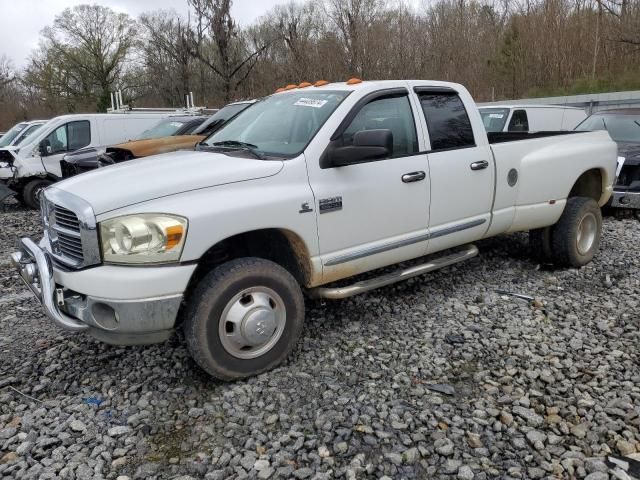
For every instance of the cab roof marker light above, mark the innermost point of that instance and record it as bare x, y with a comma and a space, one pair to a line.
290, 87
320, 83
280, 90
304, 85
353, 81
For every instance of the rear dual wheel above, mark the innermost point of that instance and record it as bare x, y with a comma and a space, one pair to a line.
575, 239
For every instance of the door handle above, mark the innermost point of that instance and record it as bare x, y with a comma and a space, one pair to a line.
413, 177
481, 165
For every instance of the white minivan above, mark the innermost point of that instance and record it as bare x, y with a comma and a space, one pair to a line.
530, 118
35, 163
19, 132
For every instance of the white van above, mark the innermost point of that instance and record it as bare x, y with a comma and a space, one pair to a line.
530, 118
35, 163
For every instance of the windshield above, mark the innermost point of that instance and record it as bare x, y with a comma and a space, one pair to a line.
622, 128
27, 132
8, 137
494, 118
281, 125
166, 128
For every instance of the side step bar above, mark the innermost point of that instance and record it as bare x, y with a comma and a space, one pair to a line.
468, 251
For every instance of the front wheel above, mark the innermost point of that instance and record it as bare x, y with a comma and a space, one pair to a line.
33, 190
244, 318
575, 239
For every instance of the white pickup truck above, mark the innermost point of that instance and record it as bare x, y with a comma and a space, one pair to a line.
310, 186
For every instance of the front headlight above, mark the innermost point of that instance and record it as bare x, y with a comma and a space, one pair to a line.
144, 238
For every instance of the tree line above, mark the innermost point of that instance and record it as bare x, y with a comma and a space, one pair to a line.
497, 48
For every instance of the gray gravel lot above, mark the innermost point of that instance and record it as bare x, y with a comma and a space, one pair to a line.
437, 377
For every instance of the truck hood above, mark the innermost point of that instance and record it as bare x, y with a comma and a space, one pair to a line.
145, 179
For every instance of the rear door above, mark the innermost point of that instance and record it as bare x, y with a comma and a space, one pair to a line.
461, 167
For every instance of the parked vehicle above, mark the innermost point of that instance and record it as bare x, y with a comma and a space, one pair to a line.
624, 127
19, 132
309, 186
530, 118
91, 158
36, 163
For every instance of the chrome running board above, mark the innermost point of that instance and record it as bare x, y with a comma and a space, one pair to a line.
468, 251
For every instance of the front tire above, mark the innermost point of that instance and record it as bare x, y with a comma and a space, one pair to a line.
576, 237
32, 191
244, 318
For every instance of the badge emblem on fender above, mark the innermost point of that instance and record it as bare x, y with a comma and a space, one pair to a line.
305, 208
332, 204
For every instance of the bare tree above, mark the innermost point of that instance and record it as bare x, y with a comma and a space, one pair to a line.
353, 20
167, 54
220, 45
87, 48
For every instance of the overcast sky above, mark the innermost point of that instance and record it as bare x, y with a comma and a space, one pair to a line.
23, 19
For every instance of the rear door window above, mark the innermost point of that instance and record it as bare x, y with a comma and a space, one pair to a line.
447, 120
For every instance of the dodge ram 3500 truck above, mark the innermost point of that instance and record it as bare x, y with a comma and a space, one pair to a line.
310, 186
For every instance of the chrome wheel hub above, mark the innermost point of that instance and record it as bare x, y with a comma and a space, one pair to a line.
587, 233
252, 322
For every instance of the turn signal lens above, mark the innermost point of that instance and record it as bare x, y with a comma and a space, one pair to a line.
353, 81
174, 236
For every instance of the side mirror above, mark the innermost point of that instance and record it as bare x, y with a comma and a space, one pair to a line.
45, 148
368, 145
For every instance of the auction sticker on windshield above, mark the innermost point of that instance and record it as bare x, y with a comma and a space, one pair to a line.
311, 102
496, 115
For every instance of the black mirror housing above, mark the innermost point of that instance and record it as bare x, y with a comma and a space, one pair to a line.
368, 145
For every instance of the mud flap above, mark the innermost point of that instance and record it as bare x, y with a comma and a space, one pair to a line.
5, 192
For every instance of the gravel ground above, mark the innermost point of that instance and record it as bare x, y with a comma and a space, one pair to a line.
437, 377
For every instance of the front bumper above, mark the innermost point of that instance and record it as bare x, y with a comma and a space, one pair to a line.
115, 321
625, 199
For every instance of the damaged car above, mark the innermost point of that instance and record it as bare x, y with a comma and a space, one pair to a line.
623, 126
167, 136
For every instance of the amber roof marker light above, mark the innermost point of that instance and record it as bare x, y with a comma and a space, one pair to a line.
304, 85
320, 83
280, 90
290, 87
353, 81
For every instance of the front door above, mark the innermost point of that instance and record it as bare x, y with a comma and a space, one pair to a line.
65, 139
374, 213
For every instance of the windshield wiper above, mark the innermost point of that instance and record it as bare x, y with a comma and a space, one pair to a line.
237, 145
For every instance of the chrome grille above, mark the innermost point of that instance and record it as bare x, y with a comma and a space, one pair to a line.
70, 230
66, 218
69, 244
